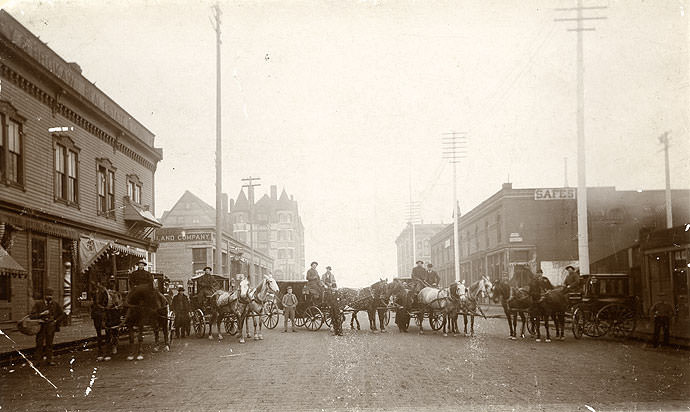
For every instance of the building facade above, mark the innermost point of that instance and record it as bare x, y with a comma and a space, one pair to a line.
77, 179
187, 244
277, 230
408, 253
536, 228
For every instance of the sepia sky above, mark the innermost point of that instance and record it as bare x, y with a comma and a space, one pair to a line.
343, 103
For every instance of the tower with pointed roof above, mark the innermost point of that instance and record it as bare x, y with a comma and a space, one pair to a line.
278, 230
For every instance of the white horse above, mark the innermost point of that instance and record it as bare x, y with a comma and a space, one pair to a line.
432, 300
255, 308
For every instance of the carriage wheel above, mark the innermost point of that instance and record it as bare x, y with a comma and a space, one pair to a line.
271, 315
618, 319
299, 320
198, 323
418, 319
578, 323
592, 326
436, 320
313, 318
230, 323
387, 317
327, 319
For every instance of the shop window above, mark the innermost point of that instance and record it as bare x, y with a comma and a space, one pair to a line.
106, 188
5, 285
11, 145
199, 259
66, 162
134, 186
38, 265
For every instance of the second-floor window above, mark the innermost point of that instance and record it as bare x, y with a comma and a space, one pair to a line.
66, 171
134, 186
106, 188
11, 146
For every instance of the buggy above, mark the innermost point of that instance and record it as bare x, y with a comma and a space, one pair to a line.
200, 314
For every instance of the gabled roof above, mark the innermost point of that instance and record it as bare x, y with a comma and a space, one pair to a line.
265, 201
284, 201
188, 197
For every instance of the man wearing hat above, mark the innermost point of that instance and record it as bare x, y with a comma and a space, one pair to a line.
289, 302
180, 306
141, 285
314, 284
50, 312
328, 279
571, 281
431, 275
662, 312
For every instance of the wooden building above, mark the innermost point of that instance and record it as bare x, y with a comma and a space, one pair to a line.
76, 179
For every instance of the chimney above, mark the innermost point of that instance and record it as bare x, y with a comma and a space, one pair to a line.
231, 204
507, 186
274, 192
224, 202
292, 197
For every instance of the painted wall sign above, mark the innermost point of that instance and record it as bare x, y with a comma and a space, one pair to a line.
558, 193
182, 236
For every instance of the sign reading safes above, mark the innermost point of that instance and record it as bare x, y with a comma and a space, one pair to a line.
555, 193
181, 236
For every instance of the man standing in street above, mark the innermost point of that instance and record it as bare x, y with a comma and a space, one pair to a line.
662, 312
328, 279
50, 312
180, 305
314, 284
431, 275
289, 304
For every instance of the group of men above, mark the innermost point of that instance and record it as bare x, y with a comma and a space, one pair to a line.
316, 285
428, 276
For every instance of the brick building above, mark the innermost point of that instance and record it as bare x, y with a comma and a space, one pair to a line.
77, 179
277, 230
422, 236
537, 228
187, 243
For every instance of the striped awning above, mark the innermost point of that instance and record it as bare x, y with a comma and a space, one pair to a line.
92, 248
9, 266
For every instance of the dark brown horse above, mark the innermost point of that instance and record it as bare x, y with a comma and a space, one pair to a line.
372, 299
553, 303
515, 302
105, 314
153, 311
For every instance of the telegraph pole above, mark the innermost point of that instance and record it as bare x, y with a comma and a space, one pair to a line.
250, 192
219, 153
455, 148
412, 219
582, 235
663, 139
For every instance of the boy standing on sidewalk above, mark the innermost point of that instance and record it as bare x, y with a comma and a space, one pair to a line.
289, 305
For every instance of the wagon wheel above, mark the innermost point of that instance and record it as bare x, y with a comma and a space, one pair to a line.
436, 320
313, 318
578, 323
619, 319
592, 326
299, 319
270, 317
418, 319
230, 323
198, 323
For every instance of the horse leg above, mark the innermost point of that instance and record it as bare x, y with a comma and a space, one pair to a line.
240, 326
140, 342
546, 326
382, 319
506, 310
472, 325
371, 315
454, 323
130, 330
214, 315
421, 322
99, 339
218, 322
522, 329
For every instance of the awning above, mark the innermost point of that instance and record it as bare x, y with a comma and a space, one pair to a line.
26, 222
9, 266
92, 248
135, 214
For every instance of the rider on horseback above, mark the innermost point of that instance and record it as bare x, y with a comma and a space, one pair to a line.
142, 292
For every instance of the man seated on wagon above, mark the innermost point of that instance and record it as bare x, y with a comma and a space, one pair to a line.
571, 281
328, 278
314, 284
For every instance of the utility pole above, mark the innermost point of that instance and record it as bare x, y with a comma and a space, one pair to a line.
250, 194
455, 148
663, 139
412, 219
219, 153
582, 235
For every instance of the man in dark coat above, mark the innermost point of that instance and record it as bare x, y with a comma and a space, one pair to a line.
662, 312
431, 275
180, 305
51, 313
572, 280
314, 284
418, 277
140, 285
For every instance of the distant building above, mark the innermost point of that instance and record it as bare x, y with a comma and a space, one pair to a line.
407, 256
277, 228
187, 243
517, 229
77, 178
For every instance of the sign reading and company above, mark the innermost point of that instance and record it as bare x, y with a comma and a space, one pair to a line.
559, 193
182, 236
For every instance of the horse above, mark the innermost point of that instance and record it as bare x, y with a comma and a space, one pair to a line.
432, 299
465, 305
515, 301
372, 299
106, 316
152, 311
402, 298
553, 303
255, 306
335, 309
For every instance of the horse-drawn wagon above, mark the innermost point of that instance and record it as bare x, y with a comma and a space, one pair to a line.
310, 311
604, 306
200, 288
